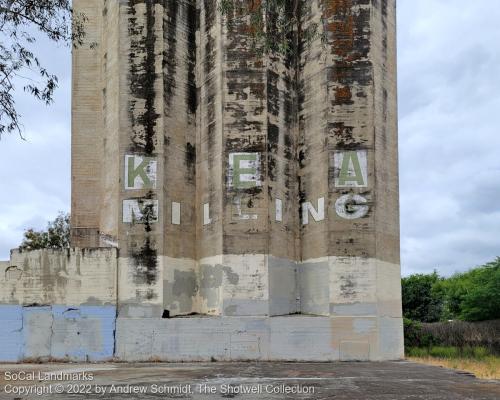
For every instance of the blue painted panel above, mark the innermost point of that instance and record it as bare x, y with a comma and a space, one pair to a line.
83, 333
11, 325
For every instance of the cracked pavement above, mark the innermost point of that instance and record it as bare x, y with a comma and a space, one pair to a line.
266, 380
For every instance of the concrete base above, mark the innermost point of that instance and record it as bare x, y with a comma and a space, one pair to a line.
287, 338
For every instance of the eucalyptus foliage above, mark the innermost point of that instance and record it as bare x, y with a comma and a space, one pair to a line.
56, 236
21, 22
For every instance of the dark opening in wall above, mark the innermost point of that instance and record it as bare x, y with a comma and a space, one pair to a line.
166, 314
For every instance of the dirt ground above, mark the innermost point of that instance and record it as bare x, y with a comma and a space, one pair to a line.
385, 380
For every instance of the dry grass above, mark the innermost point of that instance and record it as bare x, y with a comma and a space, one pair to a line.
486, 368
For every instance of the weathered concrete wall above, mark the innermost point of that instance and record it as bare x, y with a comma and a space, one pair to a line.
87, 130
179, 128
142, 201
246, 169
366, 328
58, 305
236, 184
298, 338
348, 160
110, 78
73, 276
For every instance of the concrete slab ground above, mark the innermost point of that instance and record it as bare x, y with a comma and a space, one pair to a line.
347, 380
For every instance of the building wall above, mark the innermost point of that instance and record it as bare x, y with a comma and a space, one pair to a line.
241, 185
87, 130
247, 121
58, 305
350, 250
63, 305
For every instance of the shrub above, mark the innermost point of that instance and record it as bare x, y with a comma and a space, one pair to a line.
473, 295
414, 335
420, 301
469, 296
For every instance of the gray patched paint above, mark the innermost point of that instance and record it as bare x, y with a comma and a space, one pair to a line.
181, 293
390, 333
94, 301
133, 310
283, 288
244, 307
210, 282
232, 277
314, 284
353, 309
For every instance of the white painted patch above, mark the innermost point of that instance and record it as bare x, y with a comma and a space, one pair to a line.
351, 206
239, 214
136, 211
206, 214
350, 169
140, 172
244, 170
176, 213
279, 210
318, 215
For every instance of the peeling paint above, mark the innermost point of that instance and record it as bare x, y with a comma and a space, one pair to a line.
142, 75
254, 184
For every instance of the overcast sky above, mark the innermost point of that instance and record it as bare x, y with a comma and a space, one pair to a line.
449, 112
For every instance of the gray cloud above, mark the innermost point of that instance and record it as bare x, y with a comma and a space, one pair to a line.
35, 174
448, 127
